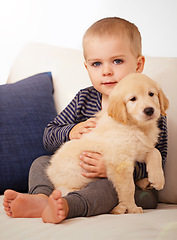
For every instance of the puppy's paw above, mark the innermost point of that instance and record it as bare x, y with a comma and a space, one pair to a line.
157, 180
119, 209
122, 208
143, 183
135, 209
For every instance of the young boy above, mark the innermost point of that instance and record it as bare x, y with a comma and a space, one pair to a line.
112, 49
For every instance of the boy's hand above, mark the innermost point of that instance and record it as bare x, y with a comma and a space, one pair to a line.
81, 128
94, 165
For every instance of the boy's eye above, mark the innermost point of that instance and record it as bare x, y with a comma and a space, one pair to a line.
151, 94
96, 64
118, 61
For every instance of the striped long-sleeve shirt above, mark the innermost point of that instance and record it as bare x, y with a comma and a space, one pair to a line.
86, 104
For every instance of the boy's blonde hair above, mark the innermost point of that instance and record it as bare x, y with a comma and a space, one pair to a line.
114, 26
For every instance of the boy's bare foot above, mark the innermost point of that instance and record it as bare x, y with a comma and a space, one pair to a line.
57, 208
19, 205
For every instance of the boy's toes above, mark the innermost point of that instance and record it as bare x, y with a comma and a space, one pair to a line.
56, 194
10, 195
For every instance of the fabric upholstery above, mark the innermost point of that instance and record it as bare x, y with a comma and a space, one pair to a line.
26, 107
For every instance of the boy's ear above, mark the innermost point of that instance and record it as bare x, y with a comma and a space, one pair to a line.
85, 64
140, 64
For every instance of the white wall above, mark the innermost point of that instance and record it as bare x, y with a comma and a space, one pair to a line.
63, 23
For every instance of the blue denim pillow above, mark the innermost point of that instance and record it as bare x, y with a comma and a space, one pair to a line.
26, 107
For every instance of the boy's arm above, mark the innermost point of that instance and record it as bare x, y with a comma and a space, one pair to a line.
57, 131
55, 134
74, 120
163, 139
140, 168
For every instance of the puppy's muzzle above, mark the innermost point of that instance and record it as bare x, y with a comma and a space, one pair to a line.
149, 111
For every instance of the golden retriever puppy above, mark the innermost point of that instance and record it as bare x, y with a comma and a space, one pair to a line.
125, 133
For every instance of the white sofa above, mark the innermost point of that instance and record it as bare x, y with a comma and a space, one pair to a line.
69, 76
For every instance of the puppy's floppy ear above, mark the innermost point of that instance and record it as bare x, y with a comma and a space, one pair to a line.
117, 109
164, 103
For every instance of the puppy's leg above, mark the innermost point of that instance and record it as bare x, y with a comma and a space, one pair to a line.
122, 178
154, 169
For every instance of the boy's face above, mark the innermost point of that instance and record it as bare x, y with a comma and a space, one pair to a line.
108, 60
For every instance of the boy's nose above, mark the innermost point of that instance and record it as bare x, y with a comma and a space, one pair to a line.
107, 71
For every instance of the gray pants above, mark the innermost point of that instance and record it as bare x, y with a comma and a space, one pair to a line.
98, 197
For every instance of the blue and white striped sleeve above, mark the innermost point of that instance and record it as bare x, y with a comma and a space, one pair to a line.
86, 103
57, 131
140, 168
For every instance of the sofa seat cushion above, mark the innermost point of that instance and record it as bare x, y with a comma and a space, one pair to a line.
26, 107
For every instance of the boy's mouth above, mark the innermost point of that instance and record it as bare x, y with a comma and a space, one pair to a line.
109, 83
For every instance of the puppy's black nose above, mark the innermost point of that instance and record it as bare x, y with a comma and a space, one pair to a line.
149, 111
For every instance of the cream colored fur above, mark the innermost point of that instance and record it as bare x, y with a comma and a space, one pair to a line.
124, 134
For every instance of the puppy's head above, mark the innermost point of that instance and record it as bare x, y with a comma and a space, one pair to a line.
137, 98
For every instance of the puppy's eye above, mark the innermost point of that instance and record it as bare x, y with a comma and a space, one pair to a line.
133, 99
151, 94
